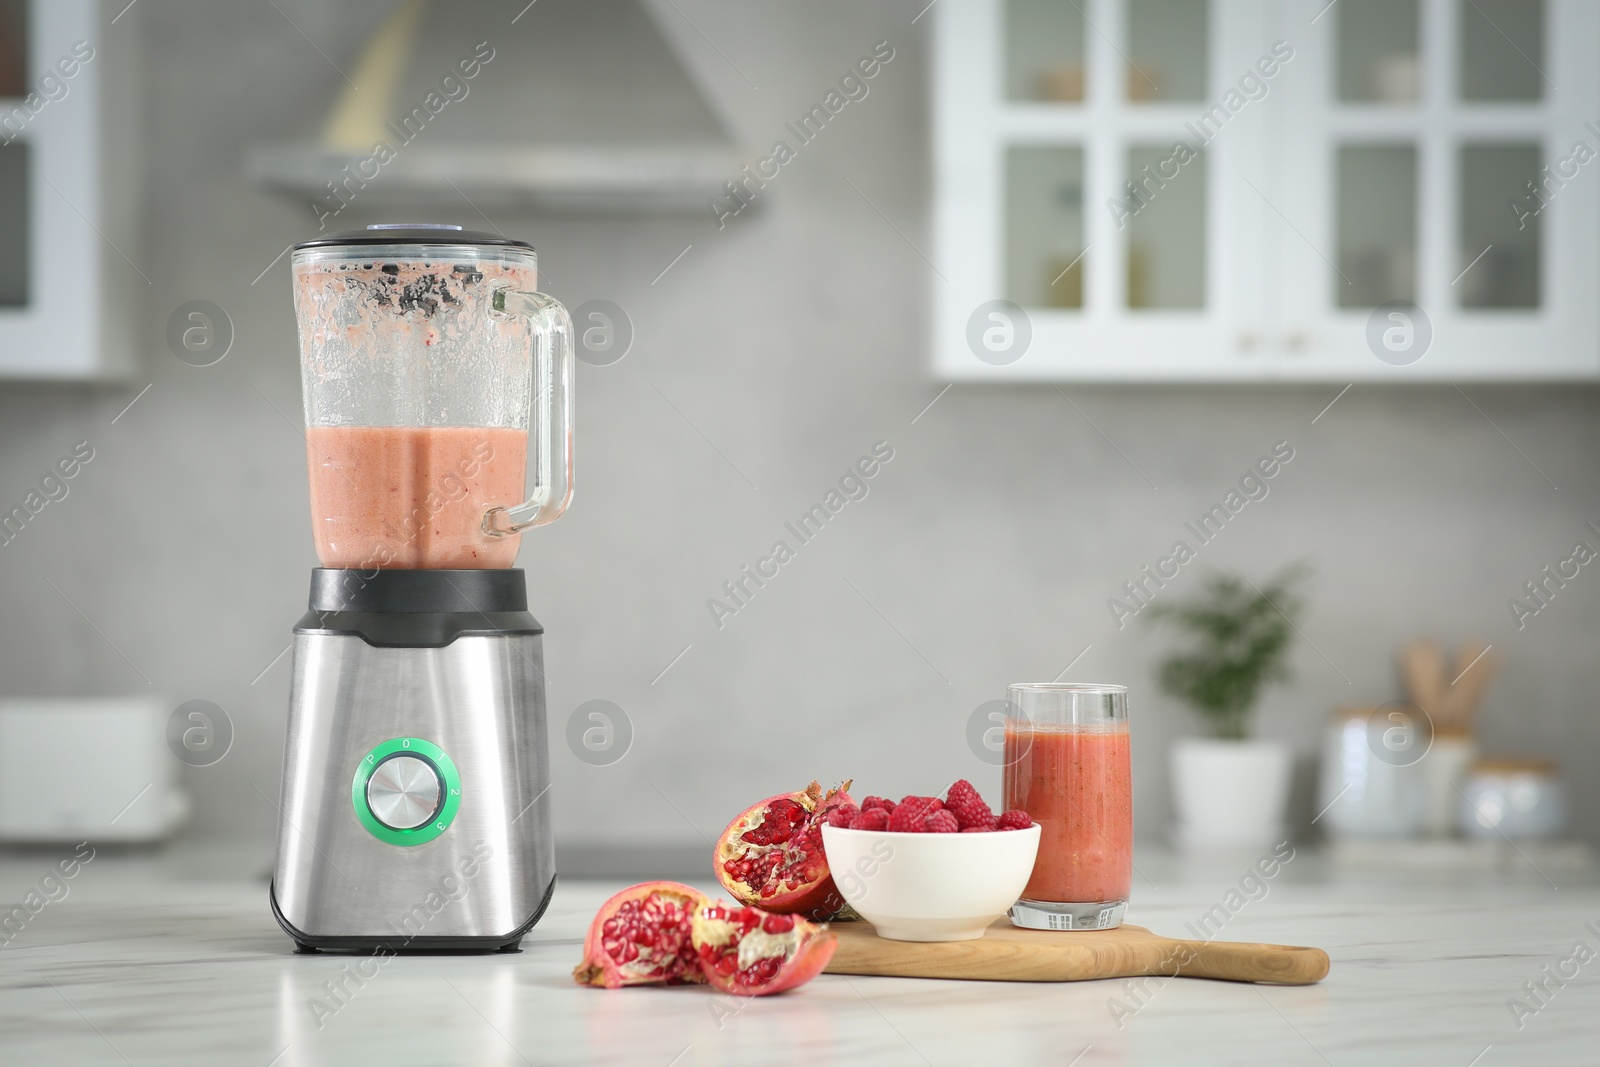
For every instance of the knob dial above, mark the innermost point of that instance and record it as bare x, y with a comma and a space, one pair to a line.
403, 792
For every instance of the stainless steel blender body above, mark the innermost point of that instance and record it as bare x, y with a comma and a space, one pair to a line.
415, 811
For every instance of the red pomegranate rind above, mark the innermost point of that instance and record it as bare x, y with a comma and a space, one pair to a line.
771, 856
753, 953
1015, 820
641, 936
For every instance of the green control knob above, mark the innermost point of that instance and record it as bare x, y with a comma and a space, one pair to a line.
406, 791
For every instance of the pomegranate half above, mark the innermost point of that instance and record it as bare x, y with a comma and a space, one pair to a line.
641, 936
753, 953
771, 855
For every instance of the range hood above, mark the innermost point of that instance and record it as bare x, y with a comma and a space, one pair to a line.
559, 104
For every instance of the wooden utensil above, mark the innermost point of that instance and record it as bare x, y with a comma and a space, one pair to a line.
1009, 954
1422, 671
1464, 688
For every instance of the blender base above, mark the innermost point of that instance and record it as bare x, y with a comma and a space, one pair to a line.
415, 762
307, 944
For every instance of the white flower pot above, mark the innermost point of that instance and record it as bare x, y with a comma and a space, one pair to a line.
1230, 794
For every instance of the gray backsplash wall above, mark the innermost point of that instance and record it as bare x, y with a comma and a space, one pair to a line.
770, 358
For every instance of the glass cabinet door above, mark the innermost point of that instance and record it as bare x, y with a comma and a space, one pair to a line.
1241, 189
1095, 160
1427, 151
69, 192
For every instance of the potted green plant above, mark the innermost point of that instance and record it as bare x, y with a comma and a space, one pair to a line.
1230, 790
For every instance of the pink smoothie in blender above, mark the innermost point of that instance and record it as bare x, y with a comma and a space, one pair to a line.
413, 497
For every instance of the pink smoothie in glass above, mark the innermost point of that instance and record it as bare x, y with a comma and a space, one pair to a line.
413, 497
1077, 783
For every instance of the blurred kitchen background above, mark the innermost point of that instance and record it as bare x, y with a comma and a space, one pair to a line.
1172, 336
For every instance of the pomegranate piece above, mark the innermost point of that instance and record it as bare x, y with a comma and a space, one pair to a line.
1015, 820
771, 855
754, 953
641, 936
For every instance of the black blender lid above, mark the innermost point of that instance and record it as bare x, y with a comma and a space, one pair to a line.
411, 233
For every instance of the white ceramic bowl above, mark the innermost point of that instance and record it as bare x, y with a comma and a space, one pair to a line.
930, 887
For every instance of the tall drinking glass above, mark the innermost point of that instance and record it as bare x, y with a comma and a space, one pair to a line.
1068, 765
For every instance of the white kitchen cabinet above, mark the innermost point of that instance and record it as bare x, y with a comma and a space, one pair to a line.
69, 183
1344, 156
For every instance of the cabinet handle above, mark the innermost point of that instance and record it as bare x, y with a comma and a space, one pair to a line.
1248, 340
1297, 341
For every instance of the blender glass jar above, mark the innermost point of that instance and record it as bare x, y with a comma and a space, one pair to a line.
431, 367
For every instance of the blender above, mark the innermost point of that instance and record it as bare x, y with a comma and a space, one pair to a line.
413, 812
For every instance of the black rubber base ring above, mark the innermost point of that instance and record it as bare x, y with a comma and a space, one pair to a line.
493, 943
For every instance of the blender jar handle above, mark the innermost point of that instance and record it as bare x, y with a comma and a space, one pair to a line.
551, 411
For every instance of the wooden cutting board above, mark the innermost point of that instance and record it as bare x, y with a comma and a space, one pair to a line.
1009, 954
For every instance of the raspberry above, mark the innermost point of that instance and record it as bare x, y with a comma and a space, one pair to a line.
905, 820
940, 822
980, 829
907, 815
1015, 820
960, 793
871, 819
842, 815
971, 812
920, 805
878, 802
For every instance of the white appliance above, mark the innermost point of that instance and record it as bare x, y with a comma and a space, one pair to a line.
87, 768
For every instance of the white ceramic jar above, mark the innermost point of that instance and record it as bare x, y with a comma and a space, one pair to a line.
1514, 798
1371, 784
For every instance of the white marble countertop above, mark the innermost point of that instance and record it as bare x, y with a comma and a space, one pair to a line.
173, 958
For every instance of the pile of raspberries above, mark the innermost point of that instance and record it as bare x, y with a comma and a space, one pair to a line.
961, 811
